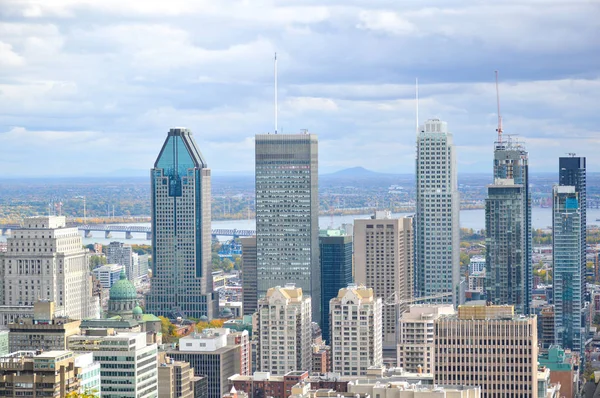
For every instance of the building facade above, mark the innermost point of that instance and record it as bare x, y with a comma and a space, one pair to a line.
415, 351
356, 331
181, 232
284, 331
490, 347
287, 214
384, 261
108, 274
567, 280
335, 249
122, 254
508, 237
249, 278
128, 365
437, 229
175, 379
45, 260
506, 273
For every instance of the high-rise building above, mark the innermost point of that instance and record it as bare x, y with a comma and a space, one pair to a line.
108, 274
48, 374
284, 330
437, 240
249, 280
506, 268
508, 228
127, 363
415, 336
383, 258
46, 260
44, 331
287, 214
488, 346
336, 270
356, 337
122, 254
566, 276
181, 238
175, 379
573, 173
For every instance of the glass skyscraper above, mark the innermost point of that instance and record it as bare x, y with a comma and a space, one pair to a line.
437, 238
567, 278
508, 228
336, 270
287, 211
181, 238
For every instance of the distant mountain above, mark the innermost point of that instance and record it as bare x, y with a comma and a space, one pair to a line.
357, 172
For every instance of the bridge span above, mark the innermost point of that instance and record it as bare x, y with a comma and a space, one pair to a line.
131, 229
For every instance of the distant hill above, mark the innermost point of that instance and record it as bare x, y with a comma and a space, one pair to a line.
359, 171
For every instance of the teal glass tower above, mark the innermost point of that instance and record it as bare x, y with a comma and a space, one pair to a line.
181, 272
567, 279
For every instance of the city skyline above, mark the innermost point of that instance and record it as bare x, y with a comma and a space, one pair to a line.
93, 81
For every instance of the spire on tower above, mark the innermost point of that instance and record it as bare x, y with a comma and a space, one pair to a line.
499, 129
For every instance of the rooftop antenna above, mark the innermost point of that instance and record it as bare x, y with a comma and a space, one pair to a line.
417, 103
499, 129
275, 93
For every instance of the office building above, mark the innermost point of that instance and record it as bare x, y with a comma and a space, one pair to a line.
175, 379
264, 384
284, 330
356, 337
44, 331
108, 274
47, 374
416, 336
437, 218
569, 328
4, 347
335, 248
122, 254
211, 356
181, 232
46, 260
127, 363
383, 257
564, 369
509, 274
476, 264
287, 214
506, 262
488, 346
249, 279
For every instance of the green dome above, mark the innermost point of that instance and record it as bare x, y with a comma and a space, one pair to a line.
138, 310
123, 289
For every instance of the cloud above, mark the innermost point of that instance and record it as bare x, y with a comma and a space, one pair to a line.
115, 76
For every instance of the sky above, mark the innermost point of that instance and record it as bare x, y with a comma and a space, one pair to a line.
92, 87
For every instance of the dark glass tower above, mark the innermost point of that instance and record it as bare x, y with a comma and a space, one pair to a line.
287, 211
336, 271
181, 238
509, 274
572, 172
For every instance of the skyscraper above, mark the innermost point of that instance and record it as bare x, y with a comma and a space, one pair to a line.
181, 277
508, 228
249, 281
287, 210
567, 278
336, 270
122, 254
573, 172
383, 254
437, 218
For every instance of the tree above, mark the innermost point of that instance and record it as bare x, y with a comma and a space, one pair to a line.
465, 260
96, 261
85, 394
226, 265
167, 329
237, 262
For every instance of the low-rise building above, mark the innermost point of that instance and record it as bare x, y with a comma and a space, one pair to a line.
44, 331
564, 369
108, 274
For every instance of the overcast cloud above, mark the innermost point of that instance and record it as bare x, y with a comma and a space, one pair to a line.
88, 87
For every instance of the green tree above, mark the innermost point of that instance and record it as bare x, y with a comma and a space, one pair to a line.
96, 261
237, 262
167, 329
465, 260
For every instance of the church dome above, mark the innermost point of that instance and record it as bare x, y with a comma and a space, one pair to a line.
138, 310
123, 289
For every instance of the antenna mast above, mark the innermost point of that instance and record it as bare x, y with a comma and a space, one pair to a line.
499, 129
275, 93
417, 103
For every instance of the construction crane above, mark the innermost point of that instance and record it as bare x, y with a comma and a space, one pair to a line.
395, 300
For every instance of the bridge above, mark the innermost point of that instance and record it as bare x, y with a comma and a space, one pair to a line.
131, 229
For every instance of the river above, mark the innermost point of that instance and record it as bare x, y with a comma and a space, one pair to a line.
475, 219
